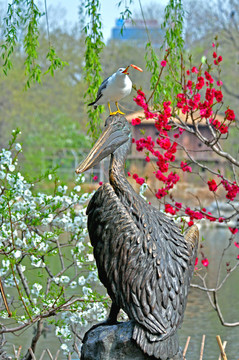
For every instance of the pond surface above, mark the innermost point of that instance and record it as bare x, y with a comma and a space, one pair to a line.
199, 317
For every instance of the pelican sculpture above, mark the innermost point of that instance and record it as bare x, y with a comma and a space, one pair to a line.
143, 259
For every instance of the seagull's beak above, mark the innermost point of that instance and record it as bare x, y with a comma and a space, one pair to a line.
126, 70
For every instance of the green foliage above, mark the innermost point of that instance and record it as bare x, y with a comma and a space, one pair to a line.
126, 14
166, 87
94, 45
55, 62
51, 116
22, 21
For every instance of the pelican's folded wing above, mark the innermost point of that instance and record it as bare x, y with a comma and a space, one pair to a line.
139, 272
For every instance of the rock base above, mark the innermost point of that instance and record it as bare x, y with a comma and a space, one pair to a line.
114, 342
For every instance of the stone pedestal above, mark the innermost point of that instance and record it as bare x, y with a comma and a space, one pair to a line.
113, 342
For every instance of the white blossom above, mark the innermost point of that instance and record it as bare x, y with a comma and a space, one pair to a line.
36, 288
18, 147
65, 348
64, 279
37, 262
17, 254
81, 280
2, 175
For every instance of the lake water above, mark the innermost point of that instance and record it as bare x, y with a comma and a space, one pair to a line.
199, 318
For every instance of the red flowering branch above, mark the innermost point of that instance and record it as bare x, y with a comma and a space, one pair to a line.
200, 102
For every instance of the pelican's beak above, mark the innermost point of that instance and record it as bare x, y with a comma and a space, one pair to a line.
126, 70
111, 138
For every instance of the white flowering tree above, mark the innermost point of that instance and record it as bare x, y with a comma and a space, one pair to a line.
46, 267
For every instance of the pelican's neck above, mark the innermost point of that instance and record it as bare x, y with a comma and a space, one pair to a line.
117, 171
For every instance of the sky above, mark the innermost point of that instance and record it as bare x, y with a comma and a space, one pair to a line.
109, 11
61, 11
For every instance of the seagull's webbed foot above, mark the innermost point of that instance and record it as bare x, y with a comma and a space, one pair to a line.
111, 320
118, 110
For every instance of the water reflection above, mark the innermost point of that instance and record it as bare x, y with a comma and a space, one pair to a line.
199, 318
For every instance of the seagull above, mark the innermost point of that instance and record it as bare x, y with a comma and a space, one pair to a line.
114, 88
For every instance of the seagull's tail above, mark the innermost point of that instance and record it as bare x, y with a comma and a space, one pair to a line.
164, 349
93, 103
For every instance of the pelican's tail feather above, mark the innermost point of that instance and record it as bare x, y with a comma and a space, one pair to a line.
160, 348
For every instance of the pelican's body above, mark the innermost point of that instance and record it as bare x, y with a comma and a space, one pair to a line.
113, 89
143, 260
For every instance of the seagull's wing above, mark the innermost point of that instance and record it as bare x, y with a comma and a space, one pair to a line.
99, 93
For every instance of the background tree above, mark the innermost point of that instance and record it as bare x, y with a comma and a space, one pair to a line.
171, 77
202, 23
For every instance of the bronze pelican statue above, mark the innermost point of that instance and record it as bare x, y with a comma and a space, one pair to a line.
143, 259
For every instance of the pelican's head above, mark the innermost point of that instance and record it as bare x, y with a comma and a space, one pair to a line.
117, 132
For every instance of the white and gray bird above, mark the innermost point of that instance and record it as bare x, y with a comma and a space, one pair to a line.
114, 88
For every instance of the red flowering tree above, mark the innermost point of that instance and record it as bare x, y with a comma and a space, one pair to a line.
199, 99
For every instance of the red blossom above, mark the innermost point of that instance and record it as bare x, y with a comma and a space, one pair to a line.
135, 176
147, 159
208, 77
219, 83
233, 230
194, 70
178, 205
220, 127
205, 109
218, 60
194, 214
200, 83
218, 95
185, 167
190, 223
140, 181
196, 261
232, 189
230, 115
236, 244
136, 121
205, 262
129, 173
141, 93
95, 177
210, 95
223, 129
169, 209
160, 176
164, 143
214, 55
100, 183
210, 217
189, 85
163, 63
212, 185
197, 97
161, 193
147, 143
